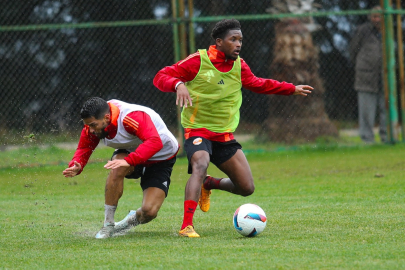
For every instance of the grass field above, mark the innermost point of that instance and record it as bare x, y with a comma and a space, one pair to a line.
328, 208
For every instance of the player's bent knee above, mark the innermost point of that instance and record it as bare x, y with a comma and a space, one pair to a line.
200, 168
247, 191
149, 213
117, 174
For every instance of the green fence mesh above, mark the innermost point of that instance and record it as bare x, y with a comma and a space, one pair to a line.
54, 54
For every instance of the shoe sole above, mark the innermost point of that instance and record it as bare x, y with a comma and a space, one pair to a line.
104, 236
189, 236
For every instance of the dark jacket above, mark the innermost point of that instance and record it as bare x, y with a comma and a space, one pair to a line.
366, 53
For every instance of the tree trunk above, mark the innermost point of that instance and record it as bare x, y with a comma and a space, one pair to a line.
295, 119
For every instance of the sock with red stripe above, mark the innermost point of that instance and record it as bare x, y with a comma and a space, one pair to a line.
189, 209
212, 183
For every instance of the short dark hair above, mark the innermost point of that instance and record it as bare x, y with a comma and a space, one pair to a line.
222, 28
378, 7
94, 107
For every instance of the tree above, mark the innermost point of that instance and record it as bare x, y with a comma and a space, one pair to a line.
296, 61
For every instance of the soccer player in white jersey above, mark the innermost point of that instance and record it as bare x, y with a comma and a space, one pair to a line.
121, 125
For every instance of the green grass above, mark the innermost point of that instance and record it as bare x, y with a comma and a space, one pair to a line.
37, 155
327, 208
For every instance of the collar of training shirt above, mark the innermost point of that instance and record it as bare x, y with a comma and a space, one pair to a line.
111, 129
218, 56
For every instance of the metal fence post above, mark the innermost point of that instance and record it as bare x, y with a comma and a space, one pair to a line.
177, 53
401, 70
191, 38
389, 71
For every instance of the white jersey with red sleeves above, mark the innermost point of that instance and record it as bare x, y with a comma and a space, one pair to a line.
125, 140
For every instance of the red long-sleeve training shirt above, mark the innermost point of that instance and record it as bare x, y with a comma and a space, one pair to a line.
145, 131
186, 70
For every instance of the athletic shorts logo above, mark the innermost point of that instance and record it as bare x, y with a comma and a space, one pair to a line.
197, 141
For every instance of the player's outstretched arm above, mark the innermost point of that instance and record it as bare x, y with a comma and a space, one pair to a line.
72, 171
303, 90
183, 96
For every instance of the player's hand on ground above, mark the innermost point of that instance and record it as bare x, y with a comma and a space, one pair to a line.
72, 171
303, 90
116, 163
183, 96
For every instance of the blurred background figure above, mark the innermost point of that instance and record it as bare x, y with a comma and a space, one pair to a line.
366, 54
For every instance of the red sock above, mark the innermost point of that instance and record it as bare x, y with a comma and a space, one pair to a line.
212, 183
189, 209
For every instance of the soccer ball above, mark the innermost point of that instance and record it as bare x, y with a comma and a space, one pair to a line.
249, 220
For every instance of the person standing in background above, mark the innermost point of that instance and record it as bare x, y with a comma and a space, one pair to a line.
366, 54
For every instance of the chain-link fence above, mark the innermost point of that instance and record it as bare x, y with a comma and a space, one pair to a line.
54, 54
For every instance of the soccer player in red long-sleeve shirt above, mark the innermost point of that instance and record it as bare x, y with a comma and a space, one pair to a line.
121, 125
208, 87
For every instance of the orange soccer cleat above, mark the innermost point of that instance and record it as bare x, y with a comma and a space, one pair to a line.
204, 201
188, 232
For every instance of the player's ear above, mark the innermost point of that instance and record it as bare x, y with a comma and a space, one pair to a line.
218, 42
107, 117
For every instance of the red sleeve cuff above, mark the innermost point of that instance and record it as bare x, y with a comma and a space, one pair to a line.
130, 162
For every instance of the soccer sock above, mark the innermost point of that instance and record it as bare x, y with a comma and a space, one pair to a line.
109, 212
189, 209
212, 183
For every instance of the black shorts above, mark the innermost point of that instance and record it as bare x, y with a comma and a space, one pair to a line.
154, 175
219, 151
